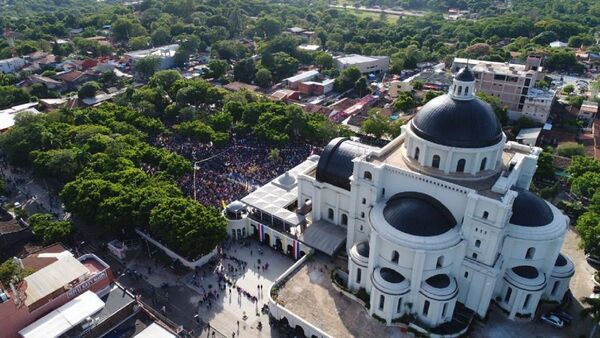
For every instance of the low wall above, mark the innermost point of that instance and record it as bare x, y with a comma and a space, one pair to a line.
190, 264
279, 312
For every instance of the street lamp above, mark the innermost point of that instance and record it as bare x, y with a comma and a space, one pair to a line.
196, 167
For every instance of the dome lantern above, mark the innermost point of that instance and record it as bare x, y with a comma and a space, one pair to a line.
463, 85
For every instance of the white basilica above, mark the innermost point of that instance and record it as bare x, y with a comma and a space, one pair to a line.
441, 215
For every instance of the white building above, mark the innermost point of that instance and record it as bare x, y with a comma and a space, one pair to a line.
166, 55
439, 219
397, 86
12, 65
293, 81
529, 136
366, 64
537, 105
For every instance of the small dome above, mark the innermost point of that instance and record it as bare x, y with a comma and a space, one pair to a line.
286, 180
458, 123
439, 281
418, 214
235, 206
529, 210
560, 260
391, 276
363, 249
465, 75
526, 271
335, 164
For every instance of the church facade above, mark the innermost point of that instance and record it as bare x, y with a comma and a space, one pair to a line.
441, 215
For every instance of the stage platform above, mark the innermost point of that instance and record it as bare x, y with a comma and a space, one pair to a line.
324, 236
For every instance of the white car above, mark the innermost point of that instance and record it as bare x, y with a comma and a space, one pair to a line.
553, 320
592, 259
17, 205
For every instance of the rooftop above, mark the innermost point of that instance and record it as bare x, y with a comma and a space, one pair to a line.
53, 277
355, 59
309, 294
66, 317
495, 67
302, 76
162, 51
155, 331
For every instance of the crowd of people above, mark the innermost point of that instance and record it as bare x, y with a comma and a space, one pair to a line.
224, 174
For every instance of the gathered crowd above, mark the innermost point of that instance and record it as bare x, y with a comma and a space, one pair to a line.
224, 174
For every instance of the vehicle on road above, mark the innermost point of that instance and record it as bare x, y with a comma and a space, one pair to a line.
592, 259
553, 320
565, 317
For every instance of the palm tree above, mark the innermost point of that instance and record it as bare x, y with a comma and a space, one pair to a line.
593, 310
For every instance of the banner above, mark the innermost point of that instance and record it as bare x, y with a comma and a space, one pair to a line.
296, 248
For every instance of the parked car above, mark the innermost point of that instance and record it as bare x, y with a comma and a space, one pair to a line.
592, 259
17, 205
553, 320
565, 317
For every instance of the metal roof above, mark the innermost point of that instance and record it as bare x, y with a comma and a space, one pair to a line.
53, 277
154, 331
65, 317
273, 197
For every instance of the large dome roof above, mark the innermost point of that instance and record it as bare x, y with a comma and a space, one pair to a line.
529, 210
418, 214
335, 164
458, 123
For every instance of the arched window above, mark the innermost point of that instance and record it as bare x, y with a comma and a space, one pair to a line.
367, 175
330, 214
358, 273
477, 243
344, 219
459, 90
526, 302
399, 306
417, 151
507, 296
466, 91
485, 215
362, 215
483, 163
440, 262
554, 288
381, 302
444, 309
460, 166
435, 162
530, 253
425, 308
395, 257
364, 201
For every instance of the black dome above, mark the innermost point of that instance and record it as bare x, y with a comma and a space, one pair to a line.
465, 75
526, 271
391, 276
418, 214
458, 123
335, 164
530, 210
560, 260
363, 248
439, 281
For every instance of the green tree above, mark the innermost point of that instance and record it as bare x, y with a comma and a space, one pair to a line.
165, 79
586, 185
570, 149
581, 165
139, 42
347, 79
11, 96
187, 226
500, 111
263, 77
244, 70
545, 169
49, 229
361, 87
217, 68
10, 271
377, 124
568, 89
88, 89
405, 102
268, 26
592, 310
146, 67
324, 60
161, 36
